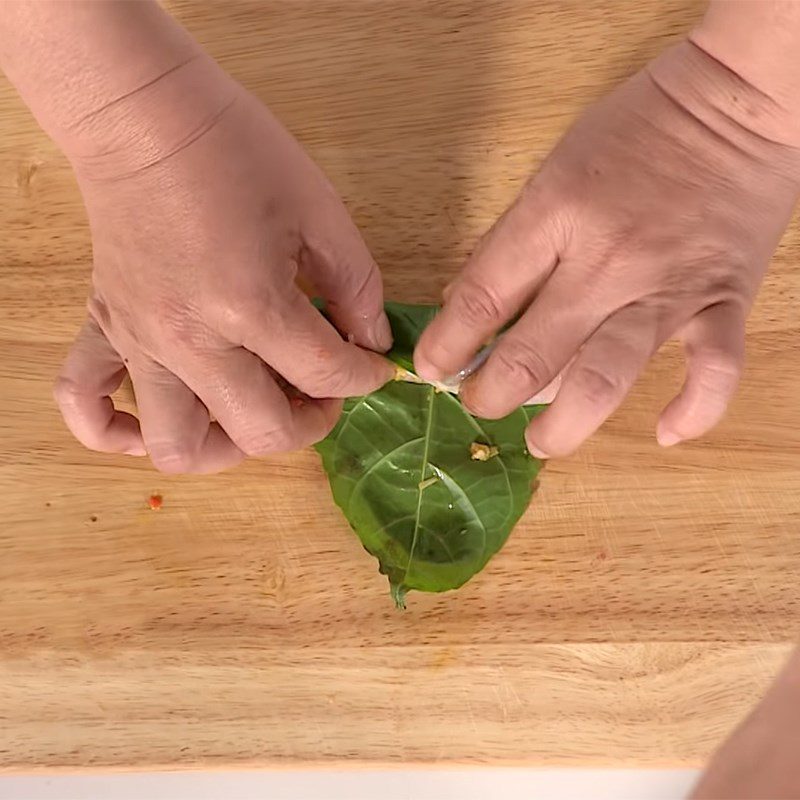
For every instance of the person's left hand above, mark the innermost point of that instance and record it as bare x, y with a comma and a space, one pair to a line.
759, 759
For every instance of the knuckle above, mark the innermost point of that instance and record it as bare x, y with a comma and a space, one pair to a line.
478, 304
66, 391
182, 331
327, 376
598, 386
729, 283
99, 311
719, 369
238, 314
69, 398
550, 203
179, 325
616, 250
366, 285
522, 364
713, 274
353, 273
173, 459
263, 443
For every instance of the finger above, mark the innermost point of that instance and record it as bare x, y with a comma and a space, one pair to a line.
339, 265
91, 373
245, 399
714, 343
546, 395
177, 430
597, 382
510, 264
534, 350
304, 348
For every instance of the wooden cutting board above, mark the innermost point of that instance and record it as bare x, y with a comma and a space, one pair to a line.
640, 608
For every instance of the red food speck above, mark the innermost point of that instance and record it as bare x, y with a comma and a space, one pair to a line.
297, 402
155, 501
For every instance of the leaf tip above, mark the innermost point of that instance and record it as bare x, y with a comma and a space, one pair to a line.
399, 595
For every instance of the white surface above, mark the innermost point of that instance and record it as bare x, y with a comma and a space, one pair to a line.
435, 784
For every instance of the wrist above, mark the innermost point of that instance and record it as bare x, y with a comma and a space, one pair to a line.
116, 84
759, 44
729, 106
151, 124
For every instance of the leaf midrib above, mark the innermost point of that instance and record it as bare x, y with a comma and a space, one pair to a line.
379, 463
425, 451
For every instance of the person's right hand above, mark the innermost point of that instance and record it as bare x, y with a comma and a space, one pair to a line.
196, 251
656, 215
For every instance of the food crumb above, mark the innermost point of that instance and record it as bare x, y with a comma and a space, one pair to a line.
482, 452
93, 518
155, 501
402, 374
427, 482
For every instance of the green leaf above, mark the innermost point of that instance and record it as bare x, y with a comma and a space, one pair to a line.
408, 322
400, 467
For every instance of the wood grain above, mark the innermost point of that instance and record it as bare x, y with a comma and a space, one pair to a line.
644, 602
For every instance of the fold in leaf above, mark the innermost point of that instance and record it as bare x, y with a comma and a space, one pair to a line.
402, 468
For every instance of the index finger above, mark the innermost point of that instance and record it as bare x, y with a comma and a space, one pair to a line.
303, 347
510, 264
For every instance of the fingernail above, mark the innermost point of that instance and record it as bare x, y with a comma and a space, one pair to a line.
474, 399
536, 452
547, 395
453, 382
667, 438
380, 332
136, 450
427, 371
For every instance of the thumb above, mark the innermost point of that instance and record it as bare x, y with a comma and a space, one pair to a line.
337, 262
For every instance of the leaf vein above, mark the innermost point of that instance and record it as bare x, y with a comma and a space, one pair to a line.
425, 451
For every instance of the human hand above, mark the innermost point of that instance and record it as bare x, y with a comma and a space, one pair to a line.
655, 215
759, 760
196, 251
